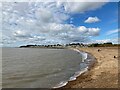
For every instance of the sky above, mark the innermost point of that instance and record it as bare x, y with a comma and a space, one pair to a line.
58, 22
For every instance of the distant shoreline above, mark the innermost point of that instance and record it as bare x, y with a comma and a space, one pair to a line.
72, 45
45, 47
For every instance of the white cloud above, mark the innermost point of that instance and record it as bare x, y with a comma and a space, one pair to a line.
94, 31
102, 41
89, 31
21, 34
113, 32
92, 20
58, 0
114, 41
43, 14
82, 29
81, 7
43, 23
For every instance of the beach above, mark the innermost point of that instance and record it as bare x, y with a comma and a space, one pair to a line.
103, 74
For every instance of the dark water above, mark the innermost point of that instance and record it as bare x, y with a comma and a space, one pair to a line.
38, 68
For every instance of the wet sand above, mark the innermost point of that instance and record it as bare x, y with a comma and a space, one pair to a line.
104, 74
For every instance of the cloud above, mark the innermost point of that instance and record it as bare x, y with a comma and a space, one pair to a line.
44, 23
94, 31
21, 34
113, 32
113, 40
81, 7
92, 20
89, 31
102, 41
82, 29
43, 14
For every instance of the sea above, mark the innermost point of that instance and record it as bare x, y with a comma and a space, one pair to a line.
42, 68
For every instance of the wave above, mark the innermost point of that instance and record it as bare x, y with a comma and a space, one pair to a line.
78, 74
74, 77
84, 54
61, 84
87, 59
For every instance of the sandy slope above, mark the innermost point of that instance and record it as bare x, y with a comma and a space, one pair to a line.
105, 72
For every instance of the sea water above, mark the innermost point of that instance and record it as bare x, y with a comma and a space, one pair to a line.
41, 68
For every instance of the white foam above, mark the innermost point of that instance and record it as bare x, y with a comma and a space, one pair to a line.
61, 84
76, 50
78, 74
81, 72
72, 78
84, 54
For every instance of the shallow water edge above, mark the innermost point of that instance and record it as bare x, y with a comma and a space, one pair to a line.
88, 61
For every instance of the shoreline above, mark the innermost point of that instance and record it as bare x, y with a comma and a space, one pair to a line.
103, 74
88, 61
